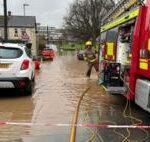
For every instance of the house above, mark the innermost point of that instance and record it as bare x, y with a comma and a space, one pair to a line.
20, 28
50, 33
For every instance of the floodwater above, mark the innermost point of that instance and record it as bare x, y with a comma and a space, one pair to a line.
59, 85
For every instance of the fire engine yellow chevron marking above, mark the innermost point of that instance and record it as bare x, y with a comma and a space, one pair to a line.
121, 20
143, 65
149, 44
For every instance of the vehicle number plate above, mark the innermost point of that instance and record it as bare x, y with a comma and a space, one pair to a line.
5, 66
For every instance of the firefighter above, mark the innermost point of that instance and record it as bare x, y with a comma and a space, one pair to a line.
91, 58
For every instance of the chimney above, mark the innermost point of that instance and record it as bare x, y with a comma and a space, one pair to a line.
9, 13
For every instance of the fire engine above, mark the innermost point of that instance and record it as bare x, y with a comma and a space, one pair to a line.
124, 56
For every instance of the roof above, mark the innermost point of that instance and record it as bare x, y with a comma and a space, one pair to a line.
12, 45
19, 21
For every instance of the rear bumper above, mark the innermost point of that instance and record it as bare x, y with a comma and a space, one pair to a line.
18, 83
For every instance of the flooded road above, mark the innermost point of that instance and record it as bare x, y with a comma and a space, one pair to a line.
59, 85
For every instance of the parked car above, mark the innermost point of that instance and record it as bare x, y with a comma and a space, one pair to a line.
16, 67
37, 63
80, 54
48, 54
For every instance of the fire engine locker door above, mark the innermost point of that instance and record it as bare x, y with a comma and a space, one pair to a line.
144, 52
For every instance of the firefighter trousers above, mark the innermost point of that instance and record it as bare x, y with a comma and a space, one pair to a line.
90, 66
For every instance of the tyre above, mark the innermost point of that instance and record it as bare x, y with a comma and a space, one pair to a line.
29, 89
33, 79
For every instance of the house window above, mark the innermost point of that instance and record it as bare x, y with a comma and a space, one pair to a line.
23, 31
16, 32
24, 34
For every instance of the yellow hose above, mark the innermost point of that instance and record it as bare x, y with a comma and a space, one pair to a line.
75, 118
134, 121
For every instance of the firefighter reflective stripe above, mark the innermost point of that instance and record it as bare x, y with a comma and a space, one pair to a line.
143, 64
110, 49
92, 61
90, 56
121, 20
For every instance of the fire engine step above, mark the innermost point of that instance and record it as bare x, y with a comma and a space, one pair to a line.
116, 90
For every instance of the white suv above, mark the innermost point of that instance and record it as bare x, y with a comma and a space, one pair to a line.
16, 67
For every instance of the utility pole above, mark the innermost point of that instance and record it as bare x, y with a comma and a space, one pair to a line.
5, 21
47, 35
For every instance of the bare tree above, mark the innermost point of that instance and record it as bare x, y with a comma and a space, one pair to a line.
84, 17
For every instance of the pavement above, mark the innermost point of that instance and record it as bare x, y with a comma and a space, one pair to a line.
59, 85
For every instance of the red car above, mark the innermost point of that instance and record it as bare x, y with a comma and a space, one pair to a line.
48, 54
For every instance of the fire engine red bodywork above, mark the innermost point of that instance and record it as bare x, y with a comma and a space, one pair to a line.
140, 58
140, 41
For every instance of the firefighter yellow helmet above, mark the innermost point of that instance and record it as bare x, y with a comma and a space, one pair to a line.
88, 43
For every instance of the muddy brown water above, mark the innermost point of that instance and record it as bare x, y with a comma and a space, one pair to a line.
59, 85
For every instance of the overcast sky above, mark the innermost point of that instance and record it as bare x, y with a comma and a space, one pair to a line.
48, 12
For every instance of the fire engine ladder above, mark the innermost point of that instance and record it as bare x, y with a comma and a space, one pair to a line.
119, 9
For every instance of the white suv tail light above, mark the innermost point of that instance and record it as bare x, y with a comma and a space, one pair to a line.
25, 65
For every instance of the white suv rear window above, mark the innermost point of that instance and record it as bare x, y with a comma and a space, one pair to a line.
10, 53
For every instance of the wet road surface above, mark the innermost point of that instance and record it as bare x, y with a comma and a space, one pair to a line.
59, 85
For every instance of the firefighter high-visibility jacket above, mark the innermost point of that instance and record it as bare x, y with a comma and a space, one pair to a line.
90, 56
